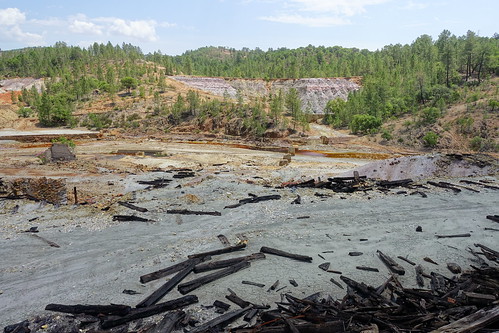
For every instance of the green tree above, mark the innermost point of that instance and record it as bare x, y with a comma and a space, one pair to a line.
365, 124
293, 105
129, 83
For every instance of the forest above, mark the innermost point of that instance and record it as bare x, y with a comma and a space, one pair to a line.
422, 78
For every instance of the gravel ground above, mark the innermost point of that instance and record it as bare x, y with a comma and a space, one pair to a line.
98, 257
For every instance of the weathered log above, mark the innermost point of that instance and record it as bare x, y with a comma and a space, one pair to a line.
131, 206
219, 322
391, 264
192, 212
394, 183
22, 327
221, 305
152, 310
237, 300
93, 310
471, 323
165, 288
407, 260
293, 283
169, 322
170, 270
229, 249
461, 186
326, 327
492, 187
494, 218
254, 199
274, 286
261, 285
428, 259
130, 218
454, 236
49, 242
187, 287
227, 262
355, 254
336, 283
369, 269
444, 185
280, 253
156, 183
250, 315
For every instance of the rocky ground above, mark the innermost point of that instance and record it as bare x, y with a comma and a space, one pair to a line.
99, 257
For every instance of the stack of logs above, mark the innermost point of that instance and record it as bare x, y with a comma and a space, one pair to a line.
467, 302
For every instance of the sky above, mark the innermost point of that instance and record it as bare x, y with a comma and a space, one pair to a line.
175, 26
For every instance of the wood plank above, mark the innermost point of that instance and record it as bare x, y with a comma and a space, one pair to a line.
229, 249
471, 323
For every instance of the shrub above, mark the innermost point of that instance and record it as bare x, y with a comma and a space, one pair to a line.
386, 135
70, 143
365, 124
24, 112
476, 143
430, 139
429, 115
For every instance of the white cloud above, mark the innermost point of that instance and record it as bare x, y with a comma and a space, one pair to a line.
11, 19
143, 30
27, 38
320, 13
85, 27
11, 16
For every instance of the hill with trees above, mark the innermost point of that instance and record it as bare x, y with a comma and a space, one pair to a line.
421, 82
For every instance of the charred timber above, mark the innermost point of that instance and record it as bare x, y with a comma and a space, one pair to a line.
152, 310
280, 253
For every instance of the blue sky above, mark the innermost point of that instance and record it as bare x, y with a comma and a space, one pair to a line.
175, 26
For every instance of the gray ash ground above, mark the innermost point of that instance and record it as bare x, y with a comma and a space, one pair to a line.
98, 258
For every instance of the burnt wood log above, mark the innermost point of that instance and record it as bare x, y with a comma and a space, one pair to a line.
170, 270
369, 269
187, 287
165, 288
131, 206
110, 322
220, 322
49, 242
394, 183
261, 285
169, 322
254, 199
444, 185
192, 212
229, 249
494, 218
280, 253
492, 187
237, 300
454, 236
305, 327
93, 310
221, 305
390, 263
156, 183
336, 283
22, 327
473, 322
460, 186
407, 260
130, 218
274, 286
227, 262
